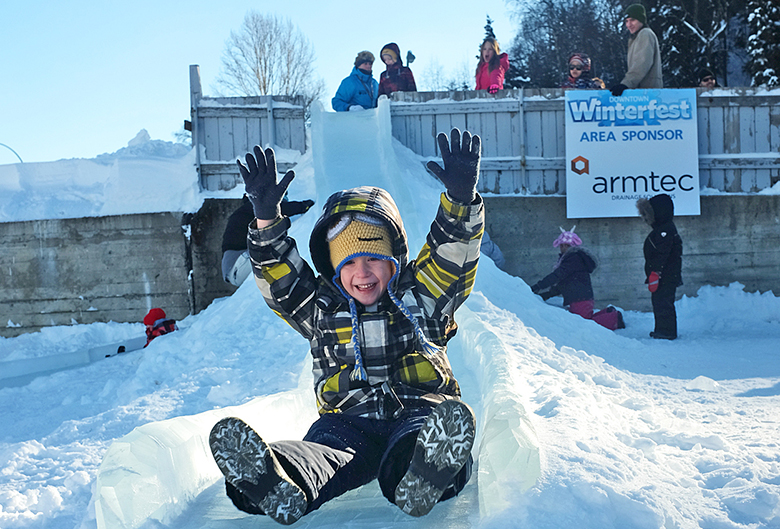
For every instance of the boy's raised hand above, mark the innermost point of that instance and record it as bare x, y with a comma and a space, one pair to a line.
259, 176
461, 164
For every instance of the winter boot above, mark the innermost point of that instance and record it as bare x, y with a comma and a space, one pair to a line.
250, 465
443, 446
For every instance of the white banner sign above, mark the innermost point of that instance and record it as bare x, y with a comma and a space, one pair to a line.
638, 145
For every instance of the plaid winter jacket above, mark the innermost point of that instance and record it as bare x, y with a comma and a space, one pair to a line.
396, 78
401, 374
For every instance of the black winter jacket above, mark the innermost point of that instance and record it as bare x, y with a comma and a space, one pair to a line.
570, 278
663, 246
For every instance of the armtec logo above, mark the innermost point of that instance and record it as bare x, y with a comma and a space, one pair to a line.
580, 165
632, 184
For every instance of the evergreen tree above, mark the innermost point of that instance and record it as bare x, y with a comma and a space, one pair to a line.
489, 28
763, 66
693, 34
551, 30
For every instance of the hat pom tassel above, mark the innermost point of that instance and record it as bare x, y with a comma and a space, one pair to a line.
359, 373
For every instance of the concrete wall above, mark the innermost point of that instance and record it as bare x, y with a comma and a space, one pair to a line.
736, 238
208, 225
56, 272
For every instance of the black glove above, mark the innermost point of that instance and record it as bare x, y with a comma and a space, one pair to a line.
535, 289
259, 176
291, 208
461, 165
618, 89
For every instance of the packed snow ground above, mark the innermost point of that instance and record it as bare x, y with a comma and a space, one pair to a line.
629, 431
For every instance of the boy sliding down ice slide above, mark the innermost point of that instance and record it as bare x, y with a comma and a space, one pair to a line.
378, 325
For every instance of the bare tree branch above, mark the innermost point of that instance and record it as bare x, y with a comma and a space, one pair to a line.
269, 55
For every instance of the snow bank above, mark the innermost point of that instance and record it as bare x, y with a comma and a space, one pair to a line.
147, 176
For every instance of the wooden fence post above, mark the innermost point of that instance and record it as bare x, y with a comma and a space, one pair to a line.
196, 93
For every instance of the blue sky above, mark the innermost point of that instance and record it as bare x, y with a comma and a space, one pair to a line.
82, 78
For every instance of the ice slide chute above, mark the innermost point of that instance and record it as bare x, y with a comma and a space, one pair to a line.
162, 474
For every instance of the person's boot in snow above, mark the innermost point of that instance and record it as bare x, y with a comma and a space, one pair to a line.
250, 465
443, 446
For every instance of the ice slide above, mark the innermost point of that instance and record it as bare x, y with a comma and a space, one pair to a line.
15, 373
162, 474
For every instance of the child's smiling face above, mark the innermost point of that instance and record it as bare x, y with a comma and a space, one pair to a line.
366, 278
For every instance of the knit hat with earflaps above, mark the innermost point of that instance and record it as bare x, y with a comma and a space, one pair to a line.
567, 237
637, 12
356, 234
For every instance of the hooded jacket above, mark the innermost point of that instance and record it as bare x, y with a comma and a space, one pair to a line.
570, 276
663, 246
397, 77
403, 372
358, 88
643, 61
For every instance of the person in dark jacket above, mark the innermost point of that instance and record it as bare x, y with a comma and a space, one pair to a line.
663, 262
378, 325
570, 278
707, 79
235, 256
359, 90
580, 75
396, 77
158, 324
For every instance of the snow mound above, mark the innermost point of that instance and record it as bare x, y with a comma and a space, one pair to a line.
147, 176
143, 146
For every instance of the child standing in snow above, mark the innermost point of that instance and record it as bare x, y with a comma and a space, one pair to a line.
571, 279
663, 262
378, 326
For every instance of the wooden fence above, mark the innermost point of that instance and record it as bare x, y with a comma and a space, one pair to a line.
524, 145
522, 130
226, 128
